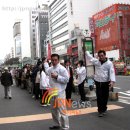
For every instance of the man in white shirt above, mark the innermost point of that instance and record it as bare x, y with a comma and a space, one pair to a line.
104, 78
58, 78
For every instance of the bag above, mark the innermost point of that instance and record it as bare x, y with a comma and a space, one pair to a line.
44, 81
113, 96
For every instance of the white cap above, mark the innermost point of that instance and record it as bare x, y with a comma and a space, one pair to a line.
6, 68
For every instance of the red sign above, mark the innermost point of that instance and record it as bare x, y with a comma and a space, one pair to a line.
112, 9
106, 27
49, 52
69, 50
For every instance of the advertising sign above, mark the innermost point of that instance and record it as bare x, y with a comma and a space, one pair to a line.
88, 46
107, 27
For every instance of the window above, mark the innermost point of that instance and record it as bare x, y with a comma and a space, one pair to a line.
33, 16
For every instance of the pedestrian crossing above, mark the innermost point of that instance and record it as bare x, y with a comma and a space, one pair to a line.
124, 97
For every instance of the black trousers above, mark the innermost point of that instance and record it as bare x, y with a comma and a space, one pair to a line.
43, 92
69, 89
102, 92
82, 91
37, 90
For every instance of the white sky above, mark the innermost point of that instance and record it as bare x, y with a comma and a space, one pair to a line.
7, 19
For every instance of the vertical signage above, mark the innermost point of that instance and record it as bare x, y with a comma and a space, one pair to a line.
88, 46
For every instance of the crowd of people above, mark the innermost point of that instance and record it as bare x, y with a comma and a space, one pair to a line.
44, 75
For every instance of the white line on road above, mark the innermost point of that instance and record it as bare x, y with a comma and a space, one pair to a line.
124, 93
124, 97
124, 101
117, 88
128, 91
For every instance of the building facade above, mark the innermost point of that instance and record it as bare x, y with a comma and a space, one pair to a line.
112, 31
12, 52
33, 15
17, 39
106, 3
65, 16
36, 17
42, 27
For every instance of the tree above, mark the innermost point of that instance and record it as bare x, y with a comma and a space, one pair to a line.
11, 61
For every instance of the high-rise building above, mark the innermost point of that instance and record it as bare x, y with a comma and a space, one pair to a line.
12, 52
41, 25
40, 13
17, 38
65, 16
33, 15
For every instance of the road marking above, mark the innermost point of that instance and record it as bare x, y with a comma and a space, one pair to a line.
124, 93
124, 101
124, 97
38, 117
117, 88
128, 91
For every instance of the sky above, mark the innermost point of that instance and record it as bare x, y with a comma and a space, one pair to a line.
10, 10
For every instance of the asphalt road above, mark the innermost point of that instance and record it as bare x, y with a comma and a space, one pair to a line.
24, 113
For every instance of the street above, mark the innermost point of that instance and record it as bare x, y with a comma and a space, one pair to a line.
24, 113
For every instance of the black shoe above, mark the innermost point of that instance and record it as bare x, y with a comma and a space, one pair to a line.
10, 97
100, 115
104, 113
54, 127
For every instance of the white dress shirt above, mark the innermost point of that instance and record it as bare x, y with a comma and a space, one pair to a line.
103, 72
44, 81
62, 78
81, 71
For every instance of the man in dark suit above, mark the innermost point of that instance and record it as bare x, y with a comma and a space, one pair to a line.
69, 86
7, 81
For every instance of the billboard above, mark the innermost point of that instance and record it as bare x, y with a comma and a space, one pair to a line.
88, 46
107, 28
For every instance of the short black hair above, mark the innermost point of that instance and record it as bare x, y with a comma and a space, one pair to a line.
55, 55
43, 59
81, 62
101, 51
39, 63
67, 61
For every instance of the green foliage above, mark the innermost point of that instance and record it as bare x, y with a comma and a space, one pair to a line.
12, 61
